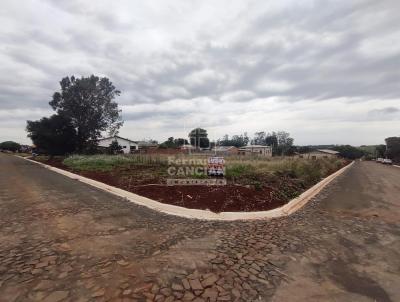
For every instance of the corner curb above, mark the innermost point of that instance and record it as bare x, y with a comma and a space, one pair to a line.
287, 209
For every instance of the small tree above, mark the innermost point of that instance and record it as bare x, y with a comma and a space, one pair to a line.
114, 148
10, 146
54, 135
199, 138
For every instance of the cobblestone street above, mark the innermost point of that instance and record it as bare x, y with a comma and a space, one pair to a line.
62, 240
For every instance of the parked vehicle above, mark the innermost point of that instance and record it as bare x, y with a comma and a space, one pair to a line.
379, 160
387, 161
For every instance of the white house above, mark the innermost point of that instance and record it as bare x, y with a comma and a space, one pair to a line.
258, 150
127, 145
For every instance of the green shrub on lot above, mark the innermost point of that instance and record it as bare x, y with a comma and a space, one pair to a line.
309, 172
109, 162
238, 170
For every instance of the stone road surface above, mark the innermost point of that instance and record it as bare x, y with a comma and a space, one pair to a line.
61, 240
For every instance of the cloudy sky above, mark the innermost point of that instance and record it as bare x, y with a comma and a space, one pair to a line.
325, 71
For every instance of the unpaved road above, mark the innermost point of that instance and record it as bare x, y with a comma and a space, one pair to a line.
61, 240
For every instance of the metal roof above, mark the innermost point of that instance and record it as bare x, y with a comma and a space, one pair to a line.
116, 136
223, 148
254, 146
328, 151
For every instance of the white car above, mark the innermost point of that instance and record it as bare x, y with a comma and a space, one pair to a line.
387, 161
379, 160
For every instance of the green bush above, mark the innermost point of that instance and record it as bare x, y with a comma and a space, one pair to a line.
237, 170
109, 162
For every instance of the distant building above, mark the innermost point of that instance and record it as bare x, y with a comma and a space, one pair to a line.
128, 146
319, 153
226, 150
145, 146
256, 150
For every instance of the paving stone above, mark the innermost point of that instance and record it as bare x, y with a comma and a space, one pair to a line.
155, 288
44, 284
98, 293
36, 271
178, 295
149, 296
186, 283
127, 292
123, 262
143, 287
159, 298
124, 285
211, 294
209, 281
56, 296
41, 264
177, 287
166, 291
236, 292
188, 296
195, 284
62, 275
224, 298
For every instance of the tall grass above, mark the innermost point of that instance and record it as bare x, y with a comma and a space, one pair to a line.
237, 168
109, 162
308, 171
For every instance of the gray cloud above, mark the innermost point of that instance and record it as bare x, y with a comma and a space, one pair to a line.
235, 56
384, 111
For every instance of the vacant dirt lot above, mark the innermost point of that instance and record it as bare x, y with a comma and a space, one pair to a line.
61, 240
253, 184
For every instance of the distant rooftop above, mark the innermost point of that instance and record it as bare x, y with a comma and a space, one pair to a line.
328, 151
255, 146
223, 148
116, 136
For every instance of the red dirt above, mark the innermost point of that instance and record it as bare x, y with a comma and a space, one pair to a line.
228, 198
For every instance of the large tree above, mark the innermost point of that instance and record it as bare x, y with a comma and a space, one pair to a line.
199, 138
89, 103
393, 148
54, 135
285, 143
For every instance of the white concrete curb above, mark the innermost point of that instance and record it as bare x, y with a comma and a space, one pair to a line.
396, 166
289, 208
